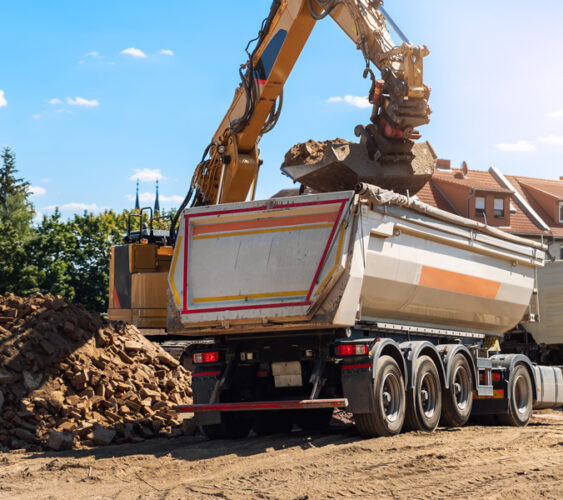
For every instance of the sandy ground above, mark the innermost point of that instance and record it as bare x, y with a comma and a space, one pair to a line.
485, 462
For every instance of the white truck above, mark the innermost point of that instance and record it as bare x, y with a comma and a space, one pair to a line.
369, 301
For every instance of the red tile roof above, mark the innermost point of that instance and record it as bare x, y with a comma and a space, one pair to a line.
477, 179
433, 196
519, 183
520, 222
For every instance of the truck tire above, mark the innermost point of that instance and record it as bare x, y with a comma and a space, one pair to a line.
389, 397
458, 398
314, 420
520, 399
234, 425
272, 422
424, 402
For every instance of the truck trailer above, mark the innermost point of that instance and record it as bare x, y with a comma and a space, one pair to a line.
369, 301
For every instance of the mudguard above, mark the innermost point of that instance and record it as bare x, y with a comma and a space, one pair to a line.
448, 352
412, 351
202, 387
357, 379
508, 362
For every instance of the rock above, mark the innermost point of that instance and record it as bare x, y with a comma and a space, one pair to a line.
103, 436
131, 345
55, 399
25, 435
1, 400
60, 441
30, 381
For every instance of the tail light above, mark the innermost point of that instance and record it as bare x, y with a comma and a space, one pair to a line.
352, 349
496, 376
206, 357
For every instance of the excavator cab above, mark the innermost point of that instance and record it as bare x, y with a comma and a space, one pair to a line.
138, 273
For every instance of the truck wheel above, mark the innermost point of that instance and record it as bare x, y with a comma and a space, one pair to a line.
520, 399
314, 420
273, 422
234, 425
424, 403
389, 397
458, 399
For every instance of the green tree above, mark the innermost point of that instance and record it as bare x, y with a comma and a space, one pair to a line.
51, 254
15, 207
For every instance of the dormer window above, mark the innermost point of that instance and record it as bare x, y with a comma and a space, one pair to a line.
480, 206
499, 207
561, 211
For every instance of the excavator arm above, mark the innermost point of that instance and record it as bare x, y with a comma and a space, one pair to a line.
229, 167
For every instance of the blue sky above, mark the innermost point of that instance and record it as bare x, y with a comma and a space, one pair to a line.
95, 95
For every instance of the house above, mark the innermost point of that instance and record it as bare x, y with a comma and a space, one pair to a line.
525, 206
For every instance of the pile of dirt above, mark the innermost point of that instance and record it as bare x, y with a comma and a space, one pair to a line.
310, 152
68, 378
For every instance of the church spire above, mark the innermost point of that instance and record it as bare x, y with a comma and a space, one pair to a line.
156, 202
137, 205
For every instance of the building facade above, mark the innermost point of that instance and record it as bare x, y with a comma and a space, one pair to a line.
525, 206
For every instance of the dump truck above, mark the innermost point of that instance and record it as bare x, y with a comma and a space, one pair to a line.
370, 301
358, 296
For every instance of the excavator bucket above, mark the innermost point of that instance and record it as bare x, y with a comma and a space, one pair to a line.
340, 165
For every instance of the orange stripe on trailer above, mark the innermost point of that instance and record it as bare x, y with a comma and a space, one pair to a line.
263, 223
433, 277
262, 231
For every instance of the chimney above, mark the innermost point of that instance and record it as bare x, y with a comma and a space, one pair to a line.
444, 164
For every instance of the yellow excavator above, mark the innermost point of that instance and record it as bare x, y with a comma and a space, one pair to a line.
387, 154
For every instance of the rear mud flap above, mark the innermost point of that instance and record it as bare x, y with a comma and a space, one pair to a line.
357, 387
203, 387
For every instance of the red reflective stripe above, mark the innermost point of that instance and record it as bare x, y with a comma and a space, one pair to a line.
265, 405
205, 374
307, 301
356, 367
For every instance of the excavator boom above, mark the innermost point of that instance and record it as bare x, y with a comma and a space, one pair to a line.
400, 97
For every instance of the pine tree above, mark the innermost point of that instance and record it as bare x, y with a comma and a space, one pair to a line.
15, 208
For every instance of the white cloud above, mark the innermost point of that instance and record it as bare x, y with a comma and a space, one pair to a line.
133, 52
37, 191
556, 140
55, 100
80, 101
76, 207
3, 101
144, 198
558, 113
352, 100
146, 175
36, 117
166, 52
94, 55
519, 146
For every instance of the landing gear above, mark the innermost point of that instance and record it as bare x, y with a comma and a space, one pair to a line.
389, 397
458, 399
424, 402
